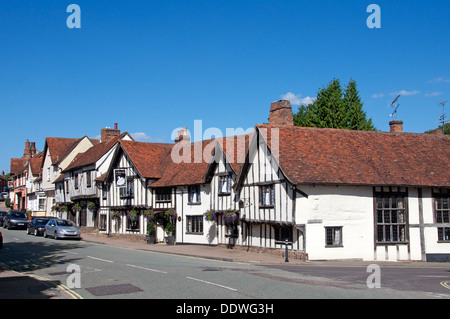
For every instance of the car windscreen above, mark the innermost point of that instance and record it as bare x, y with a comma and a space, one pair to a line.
18, 215
41, 221
64, 223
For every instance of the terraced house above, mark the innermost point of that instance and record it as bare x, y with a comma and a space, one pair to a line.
333, 194
78, 187
328, 193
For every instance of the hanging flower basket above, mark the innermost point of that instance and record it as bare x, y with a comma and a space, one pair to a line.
170, 214
230, 217
92, 207
132, 215
210, 215
116, 215
150, 215
76, 207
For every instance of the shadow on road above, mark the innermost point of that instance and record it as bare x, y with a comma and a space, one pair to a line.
18, 286
32, 256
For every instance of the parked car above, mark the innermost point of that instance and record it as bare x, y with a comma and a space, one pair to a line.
16, 219
2, 215
61, 228
37, 225
1, 240
3, 196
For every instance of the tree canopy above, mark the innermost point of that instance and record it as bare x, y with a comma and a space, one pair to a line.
335, 108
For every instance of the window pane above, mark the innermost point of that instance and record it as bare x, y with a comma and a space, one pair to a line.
380, 216
394, 233
380, 233
438, 217
387, 233
402, 229
394, 216
387, 218
445, 216
401, 216
440, 233
329, 236
337, 236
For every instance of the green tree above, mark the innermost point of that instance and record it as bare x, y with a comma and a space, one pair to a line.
439, 129
335, 108
356, 117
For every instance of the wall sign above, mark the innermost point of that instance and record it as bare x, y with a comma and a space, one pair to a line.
120, 178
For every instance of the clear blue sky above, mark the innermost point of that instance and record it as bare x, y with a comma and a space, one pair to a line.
153, 66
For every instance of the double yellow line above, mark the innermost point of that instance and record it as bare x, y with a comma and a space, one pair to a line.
56, 284
445, 284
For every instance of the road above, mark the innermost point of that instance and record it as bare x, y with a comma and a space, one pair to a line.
112, 272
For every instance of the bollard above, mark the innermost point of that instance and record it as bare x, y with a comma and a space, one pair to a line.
287, 258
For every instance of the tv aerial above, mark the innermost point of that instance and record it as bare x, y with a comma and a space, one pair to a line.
395, 105
442, 117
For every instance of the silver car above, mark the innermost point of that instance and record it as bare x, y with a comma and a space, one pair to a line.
61, 228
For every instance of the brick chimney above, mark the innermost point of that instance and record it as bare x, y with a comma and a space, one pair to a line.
109, 133
396, 126
281, 113
182, 136
27, 150
33, 150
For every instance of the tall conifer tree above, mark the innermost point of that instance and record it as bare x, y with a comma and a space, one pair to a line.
335, 108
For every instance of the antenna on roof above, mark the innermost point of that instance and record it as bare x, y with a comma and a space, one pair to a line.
442, 117
395, 102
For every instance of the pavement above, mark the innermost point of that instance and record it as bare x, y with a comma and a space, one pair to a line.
221, 253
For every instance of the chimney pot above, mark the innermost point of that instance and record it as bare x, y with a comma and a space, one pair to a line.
281, 113
396, 126
182, 135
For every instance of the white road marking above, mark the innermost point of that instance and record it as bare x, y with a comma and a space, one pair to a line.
105, 260
69, 252
149, 269
211, 283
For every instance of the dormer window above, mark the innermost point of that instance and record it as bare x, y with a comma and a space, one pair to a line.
225, 185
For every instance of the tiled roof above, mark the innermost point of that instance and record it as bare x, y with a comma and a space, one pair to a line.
182, 173
194, 171
35, 164
336, 157
60, 147
93, 154
17, 165
147, 157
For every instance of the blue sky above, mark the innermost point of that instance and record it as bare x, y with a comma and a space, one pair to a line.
153, 66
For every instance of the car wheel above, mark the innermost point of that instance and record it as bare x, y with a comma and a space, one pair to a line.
35, 232
55, 235
45, 233
28, 231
